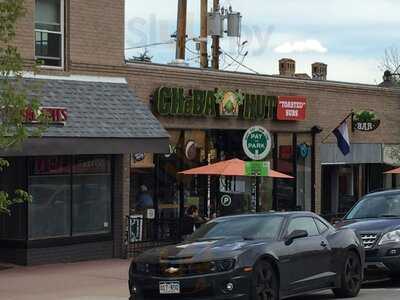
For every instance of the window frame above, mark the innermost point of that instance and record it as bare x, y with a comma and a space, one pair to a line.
316, 220
302, 217
61, 33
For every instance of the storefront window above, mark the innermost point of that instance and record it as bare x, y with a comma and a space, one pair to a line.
71, 195
49, 212
91, 195
346, 192
397, 181
50, 187
303, 178
285, 189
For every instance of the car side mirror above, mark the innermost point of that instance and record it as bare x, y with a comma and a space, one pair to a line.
296, 234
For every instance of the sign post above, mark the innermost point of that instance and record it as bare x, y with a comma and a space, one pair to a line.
257, 144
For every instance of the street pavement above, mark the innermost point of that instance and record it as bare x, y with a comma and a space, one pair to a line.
108, 280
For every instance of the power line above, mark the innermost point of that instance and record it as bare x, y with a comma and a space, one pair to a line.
191, 51
151, 45
240, 63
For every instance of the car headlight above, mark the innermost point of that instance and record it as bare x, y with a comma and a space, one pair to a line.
390, 237
223, 265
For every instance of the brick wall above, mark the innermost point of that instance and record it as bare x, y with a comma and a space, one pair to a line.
328, 102
25, 36
13, 256
70, 253
94, 32
121, 203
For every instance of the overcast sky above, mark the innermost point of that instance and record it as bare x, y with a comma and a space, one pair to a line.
349, 35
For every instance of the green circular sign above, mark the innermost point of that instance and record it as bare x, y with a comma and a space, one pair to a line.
257, 143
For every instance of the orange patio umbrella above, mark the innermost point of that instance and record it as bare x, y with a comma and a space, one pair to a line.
233, 167
395, 171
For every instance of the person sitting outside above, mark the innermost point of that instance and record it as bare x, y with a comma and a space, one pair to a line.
144, 199
191, 221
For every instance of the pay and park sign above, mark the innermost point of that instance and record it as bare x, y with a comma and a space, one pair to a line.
257, 144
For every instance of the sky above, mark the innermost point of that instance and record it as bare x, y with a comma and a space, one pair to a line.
349, 35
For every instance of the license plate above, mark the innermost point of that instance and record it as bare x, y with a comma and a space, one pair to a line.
170, 287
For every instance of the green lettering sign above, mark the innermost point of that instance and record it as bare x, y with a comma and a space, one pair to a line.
178, 100
163, 101
199, 102
175, 102
210, 109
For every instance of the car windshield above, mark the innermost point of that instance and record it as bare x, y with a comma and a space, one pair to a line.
376, 206
247, 227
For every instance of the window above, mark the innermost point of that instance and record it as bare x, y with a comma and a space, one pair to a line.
91, 209
50, 210
49, 32
322, 227
255, 227
71, 196
303, 223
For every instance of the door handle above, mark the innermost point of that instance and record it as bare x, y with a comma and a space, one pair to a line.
323, 244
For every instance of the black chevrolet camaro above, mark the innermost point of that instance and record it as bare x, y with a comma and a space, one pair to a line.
259, 257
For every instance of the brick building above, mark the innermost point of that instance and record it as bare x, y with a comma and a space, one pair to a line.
78, 171
84, 46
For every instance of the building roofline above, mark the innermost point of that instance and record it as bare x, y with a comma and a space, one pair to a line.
313, 82
74, 77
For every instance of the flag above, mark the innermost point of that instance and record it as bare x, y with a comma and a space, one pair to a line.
342, 135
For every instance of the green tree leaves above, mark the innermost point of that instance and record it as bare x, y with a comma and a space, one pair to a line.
15, 96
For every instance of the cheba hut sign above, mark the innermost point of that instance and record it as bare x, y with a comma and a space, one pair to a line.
200, 103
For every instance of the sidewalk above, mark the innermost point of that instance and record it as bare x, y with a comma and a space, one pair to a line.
95, 280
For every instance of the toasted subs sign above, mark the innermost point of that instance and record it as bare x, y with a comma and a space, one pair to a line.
291, 108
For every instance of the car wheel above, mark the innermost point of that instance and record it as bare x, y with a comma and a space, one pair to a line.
351, 277
264, 282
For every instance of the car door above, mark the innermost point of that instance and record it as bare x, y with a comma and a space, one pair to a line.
305, 263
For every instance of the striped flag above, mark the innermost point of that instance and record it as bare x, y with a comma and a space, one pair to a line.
342, 135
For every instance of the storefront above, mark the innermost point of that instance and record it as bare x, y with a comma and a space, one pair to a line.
216, 121
347, 178
77, 173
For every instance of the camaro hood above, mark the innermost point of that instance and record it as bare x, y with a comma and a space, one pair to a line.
370, 225
203, 250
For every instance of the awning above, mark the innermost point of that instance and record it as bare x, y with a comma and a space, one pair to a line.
103, 117
359, 154
395, 171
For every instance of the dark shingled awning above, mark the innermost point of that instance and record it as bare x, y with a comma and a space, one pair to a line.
103, 118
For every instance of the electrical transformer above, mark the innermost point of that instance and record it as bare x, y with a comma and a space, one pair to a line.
234, 24
215, 24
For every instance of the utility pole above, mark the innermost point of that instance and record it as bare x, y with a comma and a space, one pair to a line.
203, 34
215, 45
181, 30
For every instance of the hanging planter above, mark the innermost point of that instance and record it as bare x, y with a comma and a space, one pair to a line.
365, 121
